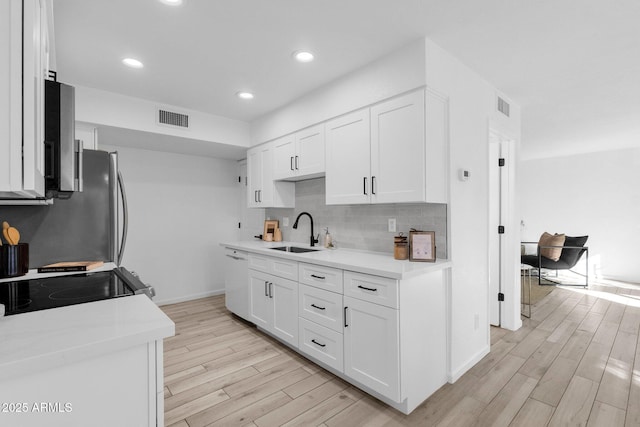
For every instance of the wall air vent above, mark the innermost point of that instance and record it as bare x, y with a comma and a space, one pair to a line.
173, 119
503, 106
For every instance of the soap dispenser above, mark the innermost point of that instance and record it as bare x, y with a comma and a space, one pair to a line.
328, 243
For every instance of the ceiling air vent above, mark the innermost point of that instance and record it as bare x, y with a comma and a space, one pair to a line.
503, 106
173, 119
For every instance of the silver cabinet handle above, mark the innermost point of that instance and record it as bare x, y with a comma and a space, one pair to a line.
266, 283
291, 162
373, 185
270, 289
318, 277
364, 186
296, 162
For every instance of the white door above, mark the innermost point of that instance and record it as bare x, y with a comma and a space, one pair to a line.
348, 177
500, 229
284, 158
371, 346
284, 297
310, 151
260, 307
398, 150
494, 238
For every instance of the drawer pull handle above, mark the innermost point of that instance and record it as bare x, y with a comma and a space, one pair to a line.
319, 308
345, 317
318, 277
368, 289
318, 344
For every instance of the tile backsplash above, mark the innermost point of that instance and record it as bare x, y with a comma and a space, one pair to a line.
359, 226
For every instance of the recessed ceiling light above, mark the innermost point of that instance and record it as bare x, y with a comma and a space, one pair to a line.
172, 2
133, 63
244, 95
303, 56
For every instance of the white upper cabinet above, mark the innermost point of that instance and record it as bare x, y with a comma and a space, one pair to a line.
301, 155
264, 192
379, 154
398, 150
24, 48
348, 159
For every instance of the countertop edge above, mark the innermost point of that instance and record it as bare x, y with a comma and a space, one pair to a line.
157, 326
360, 261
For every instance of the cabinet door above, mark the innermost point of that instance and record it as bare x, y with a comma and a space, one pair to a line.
371, 346
24, 46
11, 96
265, 194
348, 178
284, 296
254, 176
260, 307
310, 152
284, 158
398, 149
35, 69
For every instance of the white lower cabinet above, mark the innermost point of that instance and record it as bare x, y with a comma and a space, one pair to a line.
386, 336
371, 346
273, 305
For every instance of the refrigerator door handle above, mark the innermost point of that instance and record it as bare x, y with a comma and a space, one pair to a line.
125, 217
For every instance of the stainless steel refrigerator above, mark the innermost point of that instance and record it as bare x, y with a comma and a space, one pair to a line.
87, 226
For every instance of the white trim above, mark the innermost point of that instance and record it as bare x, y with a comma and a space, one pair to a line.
190, 297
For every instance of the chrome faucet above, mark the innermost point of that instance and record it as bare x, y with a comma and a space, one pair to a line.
295, 227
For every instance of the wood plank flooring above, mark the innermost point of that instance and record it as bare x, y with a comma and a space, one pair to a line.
575, 362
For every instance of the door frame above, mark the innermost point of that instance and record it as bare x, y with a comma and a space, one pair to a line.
509, 257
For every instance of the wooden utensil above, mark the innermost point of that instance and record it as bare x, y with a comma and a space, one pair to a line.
5, 227
11, 235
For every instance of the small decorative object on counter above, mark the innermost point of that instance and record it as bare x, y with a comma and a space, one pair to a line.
277, 235
423, 245
328, 241
400, 247
14, 260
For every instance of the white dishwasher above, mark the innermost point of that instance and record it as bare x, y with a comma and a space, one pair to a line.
236, 282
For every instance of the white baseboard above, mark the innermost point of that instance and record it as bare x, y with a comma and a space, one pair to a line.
454, 376
190, 297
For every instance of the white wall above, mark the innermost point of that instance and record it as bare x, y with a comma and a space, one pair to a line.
100, 107
391, 75
471, 101
180, 208
594, 194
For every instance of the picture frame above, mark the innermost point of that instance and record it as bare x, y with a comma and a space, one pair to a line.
270, 226
422, 246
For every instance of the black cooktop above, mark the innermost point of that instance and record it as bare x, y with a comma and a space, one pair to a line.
52, 292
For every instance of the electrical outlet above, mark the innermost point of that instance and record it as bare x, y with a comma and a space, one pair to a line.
392, 225
285, 221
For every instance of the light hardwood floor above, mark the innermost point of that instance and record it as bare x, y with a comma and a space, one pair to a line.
575, 362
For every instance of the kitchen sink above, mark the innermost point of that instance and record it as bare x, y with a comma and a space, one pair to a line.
294, 249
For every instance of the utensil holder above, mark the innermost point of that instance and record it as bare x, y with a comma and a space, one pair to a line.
14, 260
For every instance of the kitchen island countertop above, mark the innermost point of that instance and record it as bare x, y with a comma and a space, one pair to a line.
42, 340
376, 263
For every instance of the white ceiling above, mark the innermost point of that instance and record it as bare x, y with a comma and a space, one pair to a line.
572, 65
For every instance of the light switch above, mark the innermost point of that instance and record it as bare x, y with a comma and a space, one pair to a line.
392, 225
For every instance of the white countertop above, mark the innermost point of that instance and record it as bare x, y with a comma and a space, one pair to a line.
41, 340
33, 273
376, 263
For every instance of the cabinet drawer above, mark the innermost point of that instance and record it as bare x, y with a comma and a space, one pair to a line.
276, 266
376, 289
321, 343
320, 306
321, 277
